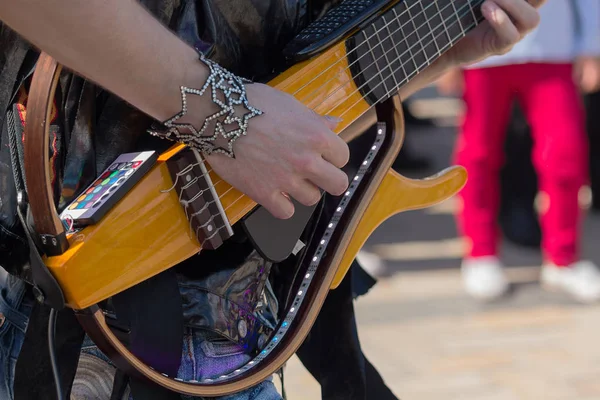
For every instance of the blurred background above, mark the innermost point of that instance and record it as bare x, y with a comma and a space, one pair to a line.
425, 335
461, 308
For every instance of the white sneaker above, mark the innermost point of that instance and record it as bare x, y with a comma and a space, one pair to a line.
581, 280
484, 278
372, 264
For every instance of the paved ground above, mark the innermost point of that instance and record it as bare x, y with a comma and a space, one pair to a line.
430, 341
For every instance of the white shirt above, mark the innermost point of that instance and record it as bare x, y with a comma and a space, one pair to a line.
559, 37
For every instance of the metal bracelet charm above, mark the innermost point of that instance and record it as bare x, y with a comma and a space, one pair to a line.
229, 94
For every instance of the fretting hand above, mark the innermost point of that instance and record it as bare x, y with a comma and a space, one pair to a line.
507, 22
289, 151
586, 73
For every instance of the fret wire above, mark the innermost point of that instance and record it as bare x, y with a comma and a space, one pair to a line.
396, 19
374, 63
343, 58
405, 38
387, 94
472, 11
408, 51
406, 80
395, 49
459, 23
389, 65
412, 19
471, 17
430, 28
437, 6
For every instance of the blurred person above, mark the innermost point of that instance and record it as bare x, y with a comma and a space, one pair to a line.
592, 106
542, 73
518, 219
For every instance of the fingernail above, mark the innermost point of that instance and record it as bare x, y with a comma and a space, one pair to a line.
491, 10
333, 118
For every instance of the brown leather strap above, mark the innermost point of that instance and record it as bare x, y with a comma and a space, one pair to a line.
37, 171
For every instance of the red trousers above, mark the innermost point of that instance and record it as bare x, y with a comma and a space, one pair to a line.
554, 110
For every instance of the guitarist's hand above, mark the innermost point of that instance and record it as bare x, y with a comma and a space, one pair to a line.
507, 22
289, 149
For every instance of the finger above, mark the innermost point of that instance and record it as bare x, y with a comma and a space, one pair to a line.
506, 32
523, 13
536, 3
332, 121
334, 149
279, 205
304, 192
326, 176
337, 152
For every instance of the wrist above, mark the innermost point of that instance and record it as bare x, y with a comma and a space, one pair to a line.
187, 72
213, 109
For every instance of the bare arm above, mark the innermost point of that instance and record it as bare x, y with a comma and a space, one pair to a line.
115, 43
123, 48
288, 150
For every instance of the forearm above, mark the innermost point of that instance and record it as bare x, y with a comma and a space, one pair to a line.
115, 43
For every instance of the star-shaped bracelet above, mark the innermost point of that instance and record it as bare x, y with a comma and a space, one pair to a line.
229, 94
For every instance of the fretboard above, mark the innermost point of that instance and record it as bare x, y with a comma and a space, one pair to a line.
405, 40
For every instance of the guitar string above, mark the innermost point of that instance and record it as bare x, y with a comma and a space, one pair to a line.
311, 268
401, 26
472, 25
376, 32
222, 195
412, 47
402, 66
219, 228
397, 18
399, 58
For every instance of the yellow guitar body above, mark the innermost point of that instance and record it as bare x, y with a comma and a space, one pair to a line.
147, 231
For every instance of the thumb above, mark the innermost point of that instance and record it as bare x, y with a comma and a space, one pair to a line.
331, 121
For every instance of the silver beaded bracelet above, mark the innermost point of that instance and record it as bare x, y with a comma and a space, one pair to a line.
226, 124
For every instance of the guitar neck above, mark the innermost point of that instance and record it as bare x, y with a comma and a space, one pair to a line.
406, 39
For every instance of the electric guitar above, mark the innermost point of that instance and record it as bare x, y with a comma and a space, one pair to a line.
349, 64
